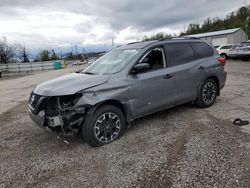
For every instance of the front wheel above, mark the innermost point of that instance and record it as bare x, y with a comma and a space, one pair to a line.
104, 126
207, 94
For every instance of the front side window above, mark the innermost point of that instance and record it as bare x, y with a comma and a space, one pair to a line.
180, 53
112, 62
155, 58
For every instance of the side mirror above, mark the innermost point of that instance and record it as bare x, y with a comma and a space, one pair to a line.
141, 67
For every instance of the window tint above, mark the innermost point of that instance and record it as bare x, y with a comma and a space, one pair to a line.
245, 44
180, 53
203, 49
226, 47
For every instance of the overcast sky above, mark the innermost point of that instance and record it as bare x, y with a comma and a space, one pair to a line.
63, 23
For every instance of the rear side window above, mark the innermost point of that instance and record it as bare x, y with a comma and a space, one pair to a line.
226, 47
180, 53
203, 50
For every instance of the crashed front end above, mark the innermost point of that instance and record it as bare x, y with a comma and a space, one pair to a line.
61, 114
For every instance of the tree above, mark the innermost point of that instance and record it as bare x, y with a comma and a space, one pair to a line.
54, 56
44, 55
7, 52
158, 36
239, 18
47, 55
22, 53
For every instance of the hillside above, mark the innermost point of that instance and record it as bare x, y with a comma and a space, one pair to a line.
236, 19
239, 18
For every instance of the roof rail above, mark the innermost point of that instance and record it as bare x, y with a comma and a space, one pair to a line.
191, 38
132, 43
177, 38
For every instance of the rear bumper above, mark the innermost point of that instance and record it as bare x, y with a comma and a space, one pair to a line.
223, 80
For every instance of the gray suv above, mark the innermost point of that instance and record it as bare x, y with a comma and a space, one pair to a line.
127, 83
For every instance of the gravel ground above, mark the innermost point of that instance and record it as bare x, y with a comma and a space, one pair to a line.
180, 147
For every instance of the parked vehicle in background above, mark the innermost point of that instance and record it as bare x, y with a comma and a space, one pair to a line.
127, 83
84, 62
91, 61
223, 50
241, 50
246, 43
76, 62
233, 51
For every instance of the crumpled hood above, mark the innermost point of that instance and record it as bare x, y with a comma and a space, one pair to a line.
69, 84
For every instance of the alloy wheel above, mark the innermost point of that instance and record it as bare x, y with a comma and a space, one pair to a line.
107, 127
209, 92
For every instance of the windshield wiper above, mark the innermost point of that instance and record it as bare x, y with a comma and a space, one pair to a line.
90, 73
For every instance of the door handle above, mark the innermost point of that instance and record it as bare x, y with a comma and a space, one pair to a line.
201, 68
167, 76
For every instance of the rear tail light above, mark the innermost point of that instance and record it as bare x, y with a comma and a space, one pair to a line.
247, 49
222, 60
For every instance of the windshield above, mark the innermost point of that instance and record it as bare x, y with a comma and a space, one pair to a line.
112, 62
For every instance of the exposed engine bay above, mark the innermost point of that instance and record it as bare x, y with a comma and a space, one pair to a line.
60, 113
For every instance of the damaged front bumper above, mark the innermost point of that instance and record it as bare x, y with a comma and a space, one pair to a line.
50, 114
37, 118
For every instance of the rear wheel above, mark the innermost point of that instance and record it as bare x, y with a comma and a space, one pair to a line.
207, 94
104, 126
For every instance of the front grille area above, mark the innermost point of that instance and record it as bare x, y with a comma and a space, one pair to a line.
34, 99
37, 102
51, 108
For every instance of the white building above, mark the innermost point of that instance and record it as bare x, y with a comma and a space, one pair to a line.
229, 36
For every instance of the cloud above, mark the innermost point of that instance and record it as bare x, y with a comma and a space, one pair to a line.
47, 24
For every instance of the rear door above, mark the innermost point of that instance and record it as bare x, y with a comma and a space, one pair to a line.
188, 70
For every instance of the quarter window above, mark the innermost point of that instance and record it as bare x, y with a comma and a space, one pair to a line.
180, 53
203, 50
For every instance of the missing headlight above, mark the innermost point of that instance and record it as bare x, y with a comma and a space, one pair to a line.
69, 100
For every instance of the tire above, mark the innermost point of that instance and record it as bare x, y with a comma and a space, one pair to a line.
207, 93
224, 56
104, 126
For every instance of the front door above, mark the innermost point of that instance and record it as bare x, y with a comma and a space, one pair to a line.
155, 89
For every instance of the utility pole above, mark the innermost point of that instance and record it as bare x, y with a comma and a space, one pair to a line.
246, 29
76, 50
113, 43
